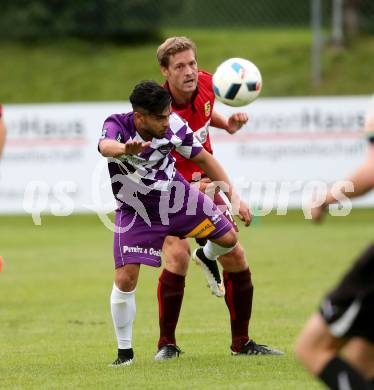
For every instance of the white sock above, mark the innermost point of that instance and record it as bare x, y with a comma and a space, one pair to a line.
123, 309
212, 251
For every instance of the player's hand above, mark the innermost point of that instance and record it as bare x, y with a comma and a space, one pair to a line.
236, 122
245, 213
318, 213
135, 147
201, 184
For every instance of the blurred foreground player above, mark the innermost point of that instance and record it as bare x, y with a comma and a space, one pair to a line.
2, 131
193, 99
147, 188
337, 343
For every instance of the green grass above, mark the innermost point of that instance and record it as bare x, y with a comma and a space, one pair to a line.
55, 324
73, 70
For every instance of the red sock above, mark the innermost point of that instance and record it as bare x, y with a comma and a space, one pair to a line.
239, 295
170, 295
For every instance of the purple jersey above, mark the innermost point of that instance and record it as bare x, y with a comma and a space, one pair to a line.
154, 168
155, 199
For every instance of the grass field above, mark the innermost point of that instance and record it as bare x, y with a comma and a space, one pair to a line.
73, 70
55, 324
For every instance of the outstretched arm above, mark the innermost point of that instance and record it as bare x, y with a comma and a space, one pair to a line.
212, 168
112, 148
232, 124
2, 136
215, 172
362, 180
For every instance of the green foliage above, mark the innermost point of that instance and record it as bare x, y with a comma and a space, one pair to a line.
77, 70
56, 329
140, 19
242, 13
84, 18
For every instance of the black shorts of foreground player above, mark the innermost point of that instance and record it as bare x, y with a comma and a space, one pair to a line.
138, 145
337, 343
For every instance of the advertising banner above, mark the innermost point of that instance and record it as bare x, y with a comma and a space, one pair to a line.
289, 148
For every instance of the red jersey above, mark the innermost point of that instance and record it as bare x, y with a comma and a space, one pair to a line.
197, 113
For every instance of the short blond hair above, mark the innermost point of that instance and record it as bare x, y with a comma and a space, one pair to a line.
172, 46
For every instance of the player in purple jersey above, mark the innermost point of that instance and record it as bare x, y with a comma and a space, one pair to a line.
154, 200
337, 343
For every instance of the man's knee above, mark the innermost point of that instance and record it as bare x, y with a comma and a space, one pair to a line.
237, 253
315, 345
126, 277
228, 240
360, 353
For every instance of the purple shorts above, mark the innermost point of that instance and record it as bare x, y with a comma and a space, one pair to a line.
183, 212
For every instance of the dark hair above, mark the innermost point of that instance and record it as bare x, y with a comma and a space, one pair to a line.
150, 96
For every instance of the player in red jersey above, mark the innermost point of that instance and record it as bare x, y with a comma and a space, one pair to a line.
193, 99
2, 131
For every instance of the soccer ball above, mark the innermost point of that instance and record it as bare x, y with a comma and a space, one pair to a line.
237, 82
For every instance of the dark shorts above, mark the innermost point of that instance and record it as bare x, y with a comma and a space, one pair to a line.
140, 240
349, 308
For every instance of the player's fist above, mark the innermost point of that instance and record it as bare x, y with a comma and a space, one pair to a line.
317, 213
245, 213
236, 122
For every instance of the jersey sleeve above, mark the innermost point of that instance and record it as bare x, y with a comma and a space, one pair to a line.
112, 129
189, 146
